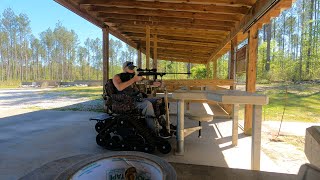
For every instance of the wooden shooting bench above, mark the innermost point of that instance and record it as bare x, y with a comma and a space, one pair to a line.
227, 97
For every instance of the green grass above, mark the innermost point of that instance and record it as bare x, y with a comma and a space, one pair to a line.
302, 102
93, 93
11, 84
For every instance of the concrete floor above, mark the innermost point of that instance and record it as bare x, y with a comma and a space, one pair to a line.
32, 139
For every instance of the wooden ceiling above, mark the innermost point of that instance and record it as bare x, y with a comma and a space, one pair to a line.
195, 31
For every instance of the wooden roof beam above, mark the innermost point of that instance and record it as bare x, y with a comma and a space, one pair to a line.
157, 19
209, 8
177, 14
200, 44
222, 2
184, 59
173, 34
179, 46
119, 22
175, 30
170, 37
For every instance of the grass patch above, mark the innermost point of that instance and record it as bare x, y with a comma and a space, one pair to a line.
93, 93
8, 85
302, 102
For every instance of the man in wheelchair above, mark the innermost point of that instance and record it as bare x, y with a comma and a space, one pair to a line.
125, 83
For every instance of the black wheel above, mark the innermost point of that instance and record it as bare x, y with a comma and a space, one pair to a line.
102, 139
148, 148
99, 126
164, 147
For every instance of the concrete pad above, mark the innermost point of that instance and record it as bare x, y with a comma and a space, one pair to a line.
30, 140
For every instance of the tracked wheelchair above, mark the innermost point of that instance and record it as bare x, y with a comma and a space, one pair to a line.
123, 127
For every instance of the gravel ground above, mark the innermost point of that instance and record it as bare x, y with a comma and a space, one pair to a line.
45, 99
286, 150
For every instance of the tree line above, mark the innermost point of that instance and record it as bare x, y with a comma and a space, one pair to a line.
288, 51
290, 44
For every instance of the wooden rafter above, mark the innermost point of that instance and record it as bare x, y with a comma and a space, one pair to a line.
200, 44
119, 22
198, 38
177, 14
208, 8
223, 2
175, 30
157, 19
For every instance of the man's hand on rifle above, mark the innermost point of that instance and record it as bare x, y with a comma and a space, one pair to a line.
137, 78
157, 83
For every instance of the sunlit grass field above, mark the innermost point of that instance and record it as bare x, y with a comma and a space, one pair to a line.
301, 102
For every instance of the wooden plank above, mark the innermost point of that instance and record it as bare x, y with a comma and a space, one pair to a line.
232, 73
139, 57
147, 47
214, 69
185, 42
184, 59
155, 53
235, 124
178, 38
256, 138
163, 13
163, 47
251, 75
202, 82
168, 6
119, 22
175, 31
224, 2
156, 19
208, 69
222, 96
105, 49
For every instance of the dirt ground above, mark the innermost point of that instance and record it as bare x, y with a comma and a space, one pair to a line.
286, 150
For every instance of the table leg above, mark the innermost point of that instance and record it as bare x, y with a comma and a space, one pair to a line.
235, 124
256, 137
180, 128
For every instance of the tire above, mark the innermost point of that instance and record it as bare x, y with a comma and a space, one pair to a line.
164, 147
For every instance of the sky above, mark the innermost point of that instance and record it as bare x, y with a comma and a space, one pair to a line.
46, 13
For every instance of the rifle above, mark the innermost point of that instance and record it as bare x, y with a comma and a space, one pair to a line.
145, 72
154, 73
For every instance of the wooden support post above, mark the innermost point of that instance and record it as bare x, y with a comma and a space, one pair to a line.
215, 69
147, 47
105, 63
235, 124
105, 49
232, 73
256, 137
208, 69
139, 57
155, 51
251, 75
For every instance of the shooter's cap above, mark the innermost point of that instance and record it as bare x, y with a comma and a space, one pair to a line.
128, 64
